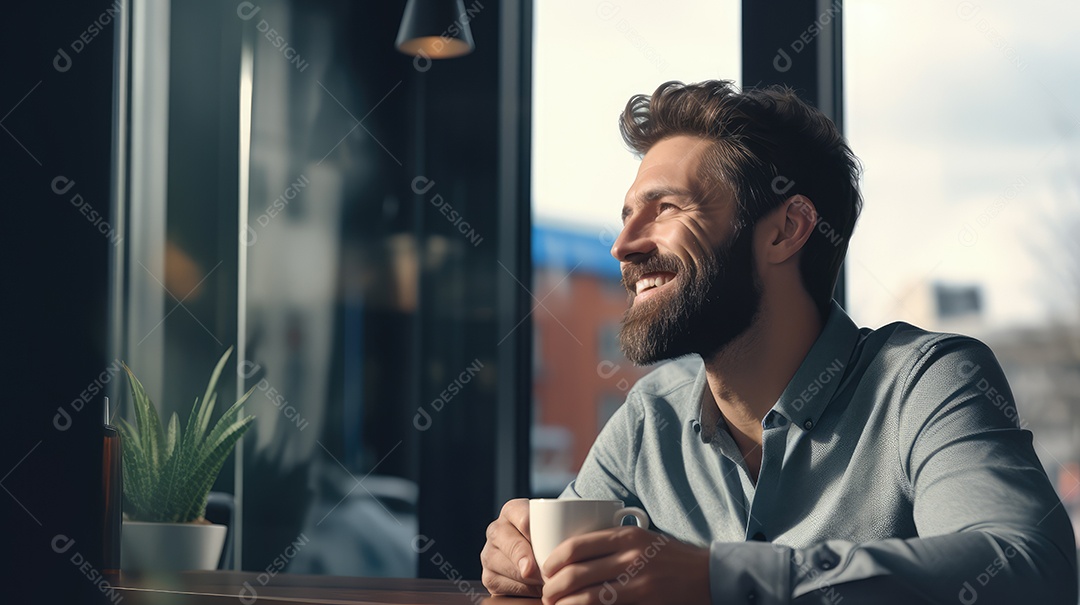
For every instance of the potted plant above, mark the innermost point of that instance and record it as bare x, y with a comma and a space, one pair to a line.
167, 477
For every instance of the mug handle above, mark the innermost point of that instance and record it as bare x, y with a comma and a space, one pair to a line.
638, 514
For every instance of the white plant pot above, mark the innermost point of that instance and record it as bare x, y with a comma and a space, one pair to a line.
170, 546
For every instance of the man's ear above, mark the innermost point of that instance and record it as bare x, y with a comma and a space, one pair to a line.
790, 226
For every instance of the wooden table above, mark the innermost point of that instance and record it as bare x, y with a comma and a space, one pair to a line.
247, 588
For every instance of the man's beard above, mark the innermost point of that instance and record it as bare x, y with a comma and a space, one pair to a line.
716, 302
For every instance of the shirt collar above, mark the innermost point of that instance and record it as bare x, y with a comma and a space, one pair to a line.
813, 386
819, 375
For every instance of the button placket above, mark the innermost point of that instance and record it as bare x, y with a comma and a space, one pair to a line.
773, 447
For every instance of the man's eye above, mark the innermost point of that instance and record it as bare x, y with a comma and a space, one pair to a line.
664, 207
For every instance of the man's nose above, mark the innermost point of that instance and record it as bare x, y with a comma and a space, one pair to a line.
634, 242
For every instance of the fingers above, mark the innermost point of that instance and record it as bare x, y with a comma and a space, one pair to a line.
509, 565
583, 577
605, 594
637, 567
502, 586
515, 558
516, 511
519, 552
500, 578
588, 546
515, 542
504, 552
578, 568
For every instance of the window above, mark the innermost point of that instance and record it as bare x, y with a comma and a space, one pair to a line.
350, 259
961, 112
581, 170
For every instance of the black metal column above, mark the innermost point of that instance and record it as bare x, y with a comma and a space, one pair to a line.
799, 44
59, 235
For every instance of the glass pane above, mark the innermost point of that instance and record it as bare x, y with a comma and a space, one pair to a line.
331, 292
588, 61
351, 263
962, 116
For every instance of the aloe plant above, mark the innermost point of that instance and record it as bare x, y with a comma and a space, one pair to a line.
168, 474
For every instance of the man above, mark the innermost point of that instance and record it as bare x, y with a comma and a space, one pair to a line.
788, 455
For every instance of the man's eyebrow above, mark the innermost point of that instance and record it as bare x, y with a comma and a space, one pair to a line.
655, 193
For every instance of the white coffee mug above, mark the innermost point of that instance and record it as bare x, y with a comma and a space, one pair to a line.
553, 520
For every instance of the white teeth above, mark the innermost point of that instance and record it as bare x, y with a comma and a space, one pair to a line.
651, 282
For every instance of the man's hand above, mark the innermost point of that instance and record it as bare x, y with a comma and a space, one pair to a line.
626, 565
509, 565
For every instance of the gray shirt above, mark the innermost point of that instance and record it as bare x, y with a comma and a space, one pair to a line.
893, 470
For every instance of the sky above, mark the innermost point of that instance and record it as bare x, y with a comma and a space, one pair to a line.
590, 58
962, 113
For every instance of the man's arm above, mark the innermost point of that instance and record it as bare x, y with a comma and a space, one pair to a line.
991, 526
608, 470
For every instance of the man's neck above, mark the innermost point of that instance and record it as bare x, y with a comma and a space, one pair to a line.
749, 375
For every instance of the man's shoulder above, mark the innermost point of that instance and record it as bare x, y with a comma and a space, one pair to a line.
903, 345
668, 395
927, 369
672, 381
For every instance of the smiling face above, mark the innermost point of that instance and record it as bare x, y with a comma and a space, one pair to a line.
689, 272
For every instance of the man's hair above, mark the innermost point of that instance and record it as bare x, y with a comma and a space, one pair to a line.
767, 145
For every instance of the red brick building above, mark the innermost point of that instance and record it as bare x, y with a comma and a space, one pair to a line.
580, 376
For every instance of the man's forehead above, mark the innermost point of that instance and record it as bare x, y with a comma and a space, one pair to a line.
677, 153
671, 165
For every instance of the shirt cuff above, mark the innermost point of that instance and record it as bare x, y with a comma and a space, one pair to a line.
754, 573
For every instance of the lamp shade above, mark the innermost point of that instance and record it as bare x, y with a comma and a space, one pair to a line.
436, 29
